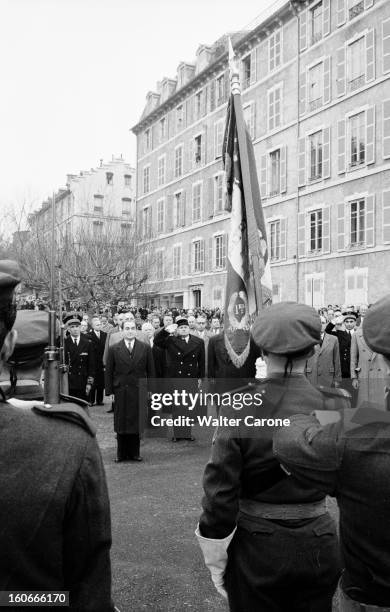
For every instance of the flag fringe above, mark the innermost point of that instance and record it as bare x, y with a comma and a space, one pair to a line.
238, 360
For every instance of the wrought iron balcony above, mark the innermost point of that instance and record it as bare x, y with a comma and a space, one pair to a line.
314, 104
357, 83
356, 10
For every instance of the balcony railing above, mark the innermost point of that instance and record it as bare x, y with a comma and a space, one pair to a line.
314, 104
356, 10
315, 177
357, 83
316, 37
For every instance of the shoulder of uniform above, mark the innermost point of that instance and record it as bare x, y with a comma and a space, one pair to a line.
68, 411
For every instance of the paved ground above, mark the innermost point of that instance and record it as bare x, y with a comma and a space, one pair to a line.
155, 506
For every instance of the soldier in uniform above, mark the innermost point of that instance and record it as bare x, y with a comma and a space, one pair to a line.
184, 360
268, 540
54, 510
349, 459
80, 358
98, 340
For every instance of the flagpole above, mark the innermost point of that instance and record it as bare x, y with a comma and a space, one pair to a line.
246, 176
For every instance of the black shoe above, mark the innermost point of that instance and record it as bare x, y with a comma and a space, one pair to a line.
191, 439
108, 411
137, 458
118, 460
174, 439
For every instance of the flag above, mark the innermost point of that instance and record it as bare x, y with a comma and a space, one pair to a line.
248, 283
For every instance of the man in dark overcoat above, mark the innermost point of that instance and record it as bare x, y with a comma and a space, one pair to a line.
129, 364
184, 360
80, 358
98, 340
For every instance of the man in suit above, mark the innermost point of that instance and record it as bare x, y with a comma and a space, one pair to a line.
342, 328
370, 372
80, 359
129, 364
185, 359
323, 368
98, 339
202, 333
215, 326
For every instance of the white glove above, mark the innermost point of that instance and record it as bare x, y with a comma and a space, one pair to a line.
215, 558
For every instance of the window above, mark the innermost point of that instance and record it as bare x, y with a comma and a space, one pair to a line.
357, 139
146, 222
218, 193
357, 63
249, 118
356, 286
357, 223
98, 229
160, 216
98, 203
161, 170
177, 260
146, 177
218, 137
316, 86
198, 256
127, 180
316, 15
275, 239
274, 107
198, 149
160, 264
315, 230
147, 139
220, 90
274, 50
179, 118
199, 104
275, 172
163, 129
126, 207
315, 289
355, 8
315, 154
246, 71
220, 252
109, 178
178, 210
196, 201
178, 161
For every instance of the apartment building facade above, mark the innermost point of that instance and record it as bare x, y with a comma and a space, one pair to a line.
316, 98
94, 203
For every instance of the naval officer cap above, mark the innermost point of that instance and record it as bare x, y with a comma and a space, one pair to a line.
376, 327
287, 328
10, 276
181, 321
72, 319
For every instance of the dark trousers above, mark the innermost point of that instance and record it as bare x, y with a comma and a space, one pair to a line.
127, 446
96, 394
274, 568
80, 393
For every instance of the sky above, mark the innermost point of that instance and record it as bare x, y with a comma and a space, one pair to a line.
75, 74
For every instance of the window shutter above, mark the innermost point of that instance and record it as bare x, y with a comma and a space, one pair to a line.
211, 258
370, 135
253, 120
301, 234
326, 17
203, 146
368, 3
202, 256
190, 155
370, 55
139, 223
386, 45
227, 85
341, 226
341, 145
169, 213
215, 140
283, 238
326, 229
386, 129
340, 71
302, 93
303, 30
326, 152
263, 176
283, 169
189, 111
341, 15
225, 241
189, 261
327, 80
253, 78
370, 220
183, 209
210, 203
386, 216
301, 161
212, 95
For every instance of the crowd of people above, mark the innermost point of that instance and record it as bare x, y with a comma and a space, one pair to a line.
265, 531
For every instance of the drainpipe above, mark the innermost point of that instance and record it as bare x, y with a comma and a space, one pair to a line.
296, 13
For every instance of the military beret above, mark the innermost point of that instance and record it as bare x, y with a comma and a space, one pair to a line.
376, 327
10, 276
33, 336
72, 319
287, 328
181, 321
